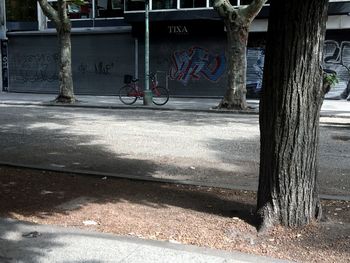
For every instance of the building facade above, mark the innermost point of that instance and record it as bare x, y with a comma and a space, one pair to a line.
187, 46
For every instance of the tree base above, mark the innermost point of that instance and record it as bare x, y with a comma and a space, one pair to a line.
224, 104
65, 99
268, 217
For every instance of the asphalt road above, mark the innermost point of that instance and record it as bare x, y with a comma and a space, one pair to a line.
190, 147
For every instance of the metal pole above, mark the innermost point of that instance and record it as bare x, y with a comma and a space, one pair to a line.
2, 20
147, 98
136, 58
93, 13
3, 49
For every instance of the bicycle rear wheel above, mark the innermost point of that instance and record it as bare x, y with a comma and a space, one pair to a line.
128, 95
160, 95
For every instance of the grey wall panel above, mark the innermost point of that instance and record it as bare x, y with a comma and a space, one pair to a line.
33, 64
99, 63
192, 66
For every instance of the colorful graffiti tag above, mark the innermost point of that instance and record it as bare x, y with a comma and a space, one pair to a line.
195, 63
337, 58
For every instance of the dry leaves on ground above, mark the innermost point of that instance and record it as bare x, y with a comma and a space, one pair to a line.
202, 216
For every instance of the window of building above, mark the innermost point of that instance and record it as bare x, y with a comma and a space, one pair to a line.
103, 9
139, 5
240, 2
164, 4
21, 10
193, 3
135, 5
109, 8
246, 2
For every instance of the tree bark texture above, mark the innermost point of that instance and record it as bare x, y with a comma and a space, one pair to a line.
237, 23
237, 39
292, 97
63, 28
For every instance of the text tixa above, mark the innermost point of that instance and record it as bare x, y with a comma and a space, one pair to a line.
177, 29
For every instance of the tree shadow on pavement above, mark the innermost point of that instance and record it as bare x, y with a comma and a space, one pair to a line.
58, 141
31, 243
38, 193
54, 139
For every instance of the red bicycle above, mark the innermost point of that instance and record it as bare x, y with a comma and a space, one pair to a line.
131, 91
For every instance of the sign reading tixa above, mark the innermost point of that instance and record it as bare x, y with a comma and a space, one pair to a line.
177, 30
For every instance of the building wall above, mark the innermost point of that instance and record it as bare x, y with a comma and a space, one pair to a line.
99, 63
188, 64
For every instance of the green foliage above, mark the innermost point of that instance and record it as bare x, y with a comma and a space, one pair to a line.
331, 79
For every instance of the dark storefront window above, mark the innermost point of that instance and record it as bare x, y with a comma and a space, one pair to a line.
246, 2
193, 3
103, 9
109, 8
135, 5
21, 10
241, 2
163, 4
77, 11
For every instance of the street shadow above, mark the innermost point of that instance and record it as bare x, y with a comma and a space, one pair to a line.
57, 244
187, 118
335, 126
53, 139
16, 248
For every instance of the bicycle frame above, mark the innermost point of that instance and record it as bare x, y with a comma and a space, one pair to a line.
140, 92
129, 93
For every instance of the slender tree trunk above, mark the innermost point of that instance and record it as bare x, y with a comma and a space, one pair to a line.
63, 28
237, 38
237, 22
293, 93
66, 94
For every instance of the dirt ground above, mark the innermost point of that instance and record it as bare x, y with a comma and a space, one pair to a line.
202, 216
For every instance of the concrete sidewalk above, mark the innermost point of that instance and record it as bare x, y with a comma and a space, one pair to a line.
25, 242
330, 108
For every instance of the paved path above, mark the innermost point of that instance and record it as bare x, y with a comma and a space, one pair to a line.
30, 243
331, 108
194, 147
26, 131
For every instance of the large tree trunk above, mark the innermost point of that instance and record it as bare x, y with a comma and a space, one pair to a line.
289, 113
237, 38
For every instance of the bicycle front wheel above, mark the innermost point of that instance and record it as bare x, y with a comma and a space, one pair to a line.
128, 95
160, 95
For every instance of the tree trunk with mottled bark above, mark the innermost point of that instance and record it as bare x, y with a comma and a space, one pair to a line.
63, 28
293, 92
237, 23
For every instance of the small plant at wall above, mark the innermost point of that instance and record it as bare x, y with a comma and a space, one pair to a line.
329, 80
